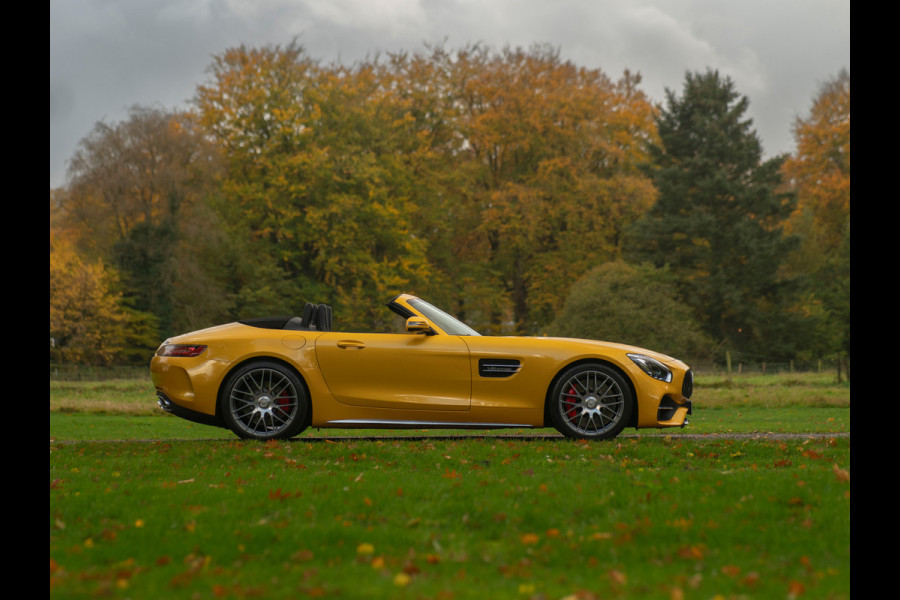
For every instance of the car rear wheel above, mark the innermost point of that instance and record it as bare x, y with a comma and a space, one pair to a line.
263, 401
591, 401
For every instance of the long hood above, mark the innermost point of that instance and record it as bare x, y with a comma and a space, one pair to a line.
598, 344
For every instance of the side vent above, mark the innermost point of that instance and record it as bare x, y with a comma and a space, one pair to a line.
498, 367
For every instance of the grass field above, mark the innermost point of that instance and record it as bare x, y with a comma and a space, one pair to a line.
177, 510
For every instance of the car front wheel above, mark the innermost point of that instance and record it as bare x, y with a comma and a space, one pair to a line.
263, 401
591, 401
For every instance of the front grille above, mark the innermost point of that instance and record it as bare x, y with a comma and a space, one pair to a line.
687, 388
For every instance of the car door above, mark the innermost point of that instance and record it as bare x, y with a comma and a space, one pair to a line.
400, 371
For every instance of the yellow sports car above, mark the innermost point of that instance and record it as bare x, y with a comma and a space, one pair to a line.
274, 377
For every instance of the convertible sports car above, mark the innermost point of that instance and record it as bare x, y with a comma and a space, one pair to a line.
274, 377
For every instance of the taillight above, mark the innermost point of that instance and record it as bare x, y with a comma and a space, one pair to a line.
182, 350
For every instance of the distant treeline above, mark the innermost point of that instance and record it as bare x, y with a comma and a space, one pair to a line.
523, 193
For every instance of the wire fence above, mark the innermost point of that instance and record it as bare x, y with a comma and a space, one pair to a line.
71, 372
770, 368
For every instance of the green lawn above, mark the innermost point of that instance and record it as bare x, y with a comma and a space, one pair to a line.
180, 510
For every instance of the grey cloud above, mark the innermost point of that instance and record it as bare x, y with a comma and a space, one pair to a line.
106, 56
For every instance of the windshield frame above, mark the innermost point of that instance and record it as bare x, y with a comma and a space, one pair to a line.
448, 323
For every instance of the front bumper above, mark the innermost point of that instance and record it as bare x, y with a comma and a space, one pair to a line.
672, 414
674, 409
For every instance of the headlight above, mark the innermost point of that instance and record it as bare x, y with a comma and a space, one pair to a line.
181, 350
652, 367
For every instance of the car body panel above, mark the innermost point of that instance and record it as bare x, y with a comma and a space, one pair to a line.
403, 371
428, 380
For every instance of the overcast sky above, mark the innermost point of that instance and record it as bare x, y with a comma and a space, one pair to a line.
107, 55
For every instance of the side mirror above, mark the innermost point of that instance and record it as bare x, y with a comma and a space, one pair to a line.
419, 325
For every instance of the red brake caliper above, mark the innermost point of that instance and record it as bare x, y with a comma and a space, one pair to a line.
282, 401
571, 394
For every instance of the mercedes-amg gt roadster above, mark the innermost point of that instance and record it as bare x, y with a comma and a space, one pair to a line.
274, 377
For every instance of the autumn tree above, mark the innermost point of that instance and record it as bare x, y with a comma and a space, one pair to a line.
90, 322
718, 221
149, 169
489, 179
135, 189
546, 158
819, 173
320, 188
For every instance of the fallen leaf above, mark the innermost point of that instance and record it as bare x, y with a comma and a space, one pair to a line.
842, 475
695, 552
302, 555
617, 577
365, 548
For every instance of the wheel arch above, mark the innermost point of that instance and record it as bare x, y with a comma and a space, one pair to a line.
632, 421
264, 358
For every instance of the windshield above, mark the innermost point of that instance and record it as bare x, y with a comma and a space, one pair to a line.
449, 324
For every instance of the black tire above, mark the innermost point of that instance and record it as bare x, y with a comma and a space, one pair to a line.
591, 401
264, 400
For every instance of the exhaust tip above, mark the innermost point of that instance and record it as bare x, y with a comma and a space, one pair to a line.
164, 403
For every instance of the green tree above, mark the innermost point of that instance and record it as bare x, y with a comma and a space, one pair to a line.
618, 302
146, 256
719, 219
